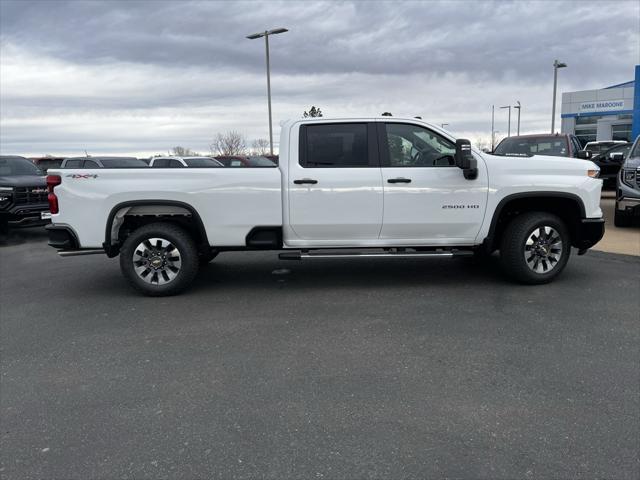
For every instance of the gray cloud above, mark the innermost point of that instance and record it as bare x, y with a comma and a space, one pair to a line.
157, 61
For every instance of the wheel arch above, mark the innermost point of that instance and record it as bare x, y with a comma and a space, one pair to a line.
568, 206
153, 210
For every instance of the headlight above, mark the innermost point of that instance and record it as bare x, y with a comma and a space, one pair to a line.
628, 177
593, 173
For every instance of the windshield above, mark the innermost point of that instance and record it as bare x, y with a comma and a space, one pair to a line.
201, 162
599, 147
123, 163
17, 166
528, 146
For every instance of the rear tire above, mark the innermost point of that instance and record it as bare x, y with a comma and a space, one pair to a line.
159, 259
535, 248
621, 219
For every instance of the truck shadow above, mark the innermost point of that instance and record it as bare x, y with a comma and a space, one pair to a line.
17, 236
233, 272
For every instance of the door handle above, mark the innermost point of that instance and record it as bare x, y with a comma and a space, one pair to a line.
399, 180
305, 180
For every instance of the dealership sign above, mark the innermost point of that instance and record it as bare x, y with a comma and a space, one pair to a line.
602, 106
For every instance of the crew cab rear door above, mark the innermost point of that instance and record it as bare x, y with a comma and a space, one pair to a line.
427, 200
335, 185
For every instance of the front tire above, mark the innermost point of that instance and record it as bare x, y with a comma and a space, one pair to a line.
621, 219
159, 259
535, 248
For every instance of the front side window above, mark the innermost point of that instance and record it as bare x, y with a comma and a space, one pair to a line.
415, 146
175, 164
334, 145
90, 164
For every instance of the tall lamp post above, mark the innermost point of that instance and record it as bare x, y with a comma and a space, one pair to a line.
493, 133
509, 127
519, 107
266, 34
556, 66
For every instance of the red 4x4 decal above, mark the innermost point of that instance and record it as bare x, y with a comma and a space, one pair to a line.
84, 175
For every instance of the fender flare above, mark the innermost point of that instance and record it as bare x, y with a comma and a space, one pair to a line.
488, 241
113, 249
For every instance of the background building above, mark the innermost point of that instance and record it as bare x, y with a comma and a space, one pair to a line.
611, 113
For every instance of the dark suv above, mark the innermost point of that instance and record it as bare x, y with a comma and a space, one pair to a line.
554, 144
23, 193
628, 188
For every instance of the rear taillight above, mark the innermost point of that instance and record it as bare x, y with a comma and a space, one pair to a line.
52, 182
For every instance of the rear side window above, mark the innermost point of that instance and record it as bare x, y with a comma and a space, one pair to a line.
342, 145
90, 164
73, 164
175, 164
160, 163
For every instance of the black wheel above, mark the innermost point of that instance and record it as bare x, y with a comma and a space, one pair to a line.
159, 259
621, 219
535, 248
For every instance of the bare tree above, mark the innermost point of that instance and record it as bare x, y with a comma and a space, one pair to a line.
260, 146
313, 112
483, 144
183, 152
230, 143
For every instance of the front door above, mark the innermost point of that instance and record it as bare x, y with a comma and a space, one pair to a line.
427, 200
335, 185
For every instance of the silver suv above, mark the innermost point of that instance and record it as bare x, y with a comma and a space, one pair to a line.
628, 188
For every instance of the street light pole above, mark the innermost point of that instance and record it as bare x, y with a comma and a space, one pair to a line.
493, 133
266, 34
519, 107
509, 127
556, 66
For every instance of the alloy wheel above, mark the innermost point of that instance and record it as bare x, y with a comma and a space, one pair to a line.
157, 261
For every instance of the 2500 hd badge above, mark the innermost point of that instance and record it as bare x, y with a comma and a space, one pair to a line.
459, 207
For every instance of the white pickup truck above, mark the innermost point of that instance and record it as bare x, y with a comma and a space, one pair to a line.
362, 187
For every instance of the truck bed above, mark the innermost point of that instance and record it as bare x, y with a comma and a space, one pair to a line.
233, 200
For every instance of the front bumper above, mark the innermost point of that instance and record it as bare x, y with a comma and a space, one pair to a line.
628, 205
590, 231
25, 215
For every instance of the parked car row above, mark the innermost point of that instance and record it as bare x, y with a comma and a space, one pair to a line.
23, 187
172, 161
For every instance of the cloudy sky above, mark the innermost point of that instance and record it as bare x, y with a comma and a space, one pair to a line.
141, 77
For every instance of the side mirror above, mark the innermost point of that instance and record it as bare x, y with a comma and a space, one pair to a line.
616, 156
584, 154
465, 160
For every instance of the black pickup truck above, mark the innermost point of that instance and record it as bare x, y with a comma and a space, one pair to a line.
23, 194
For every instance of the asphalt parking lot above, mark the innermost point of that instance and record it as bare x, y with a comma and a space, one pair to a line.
332, 369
